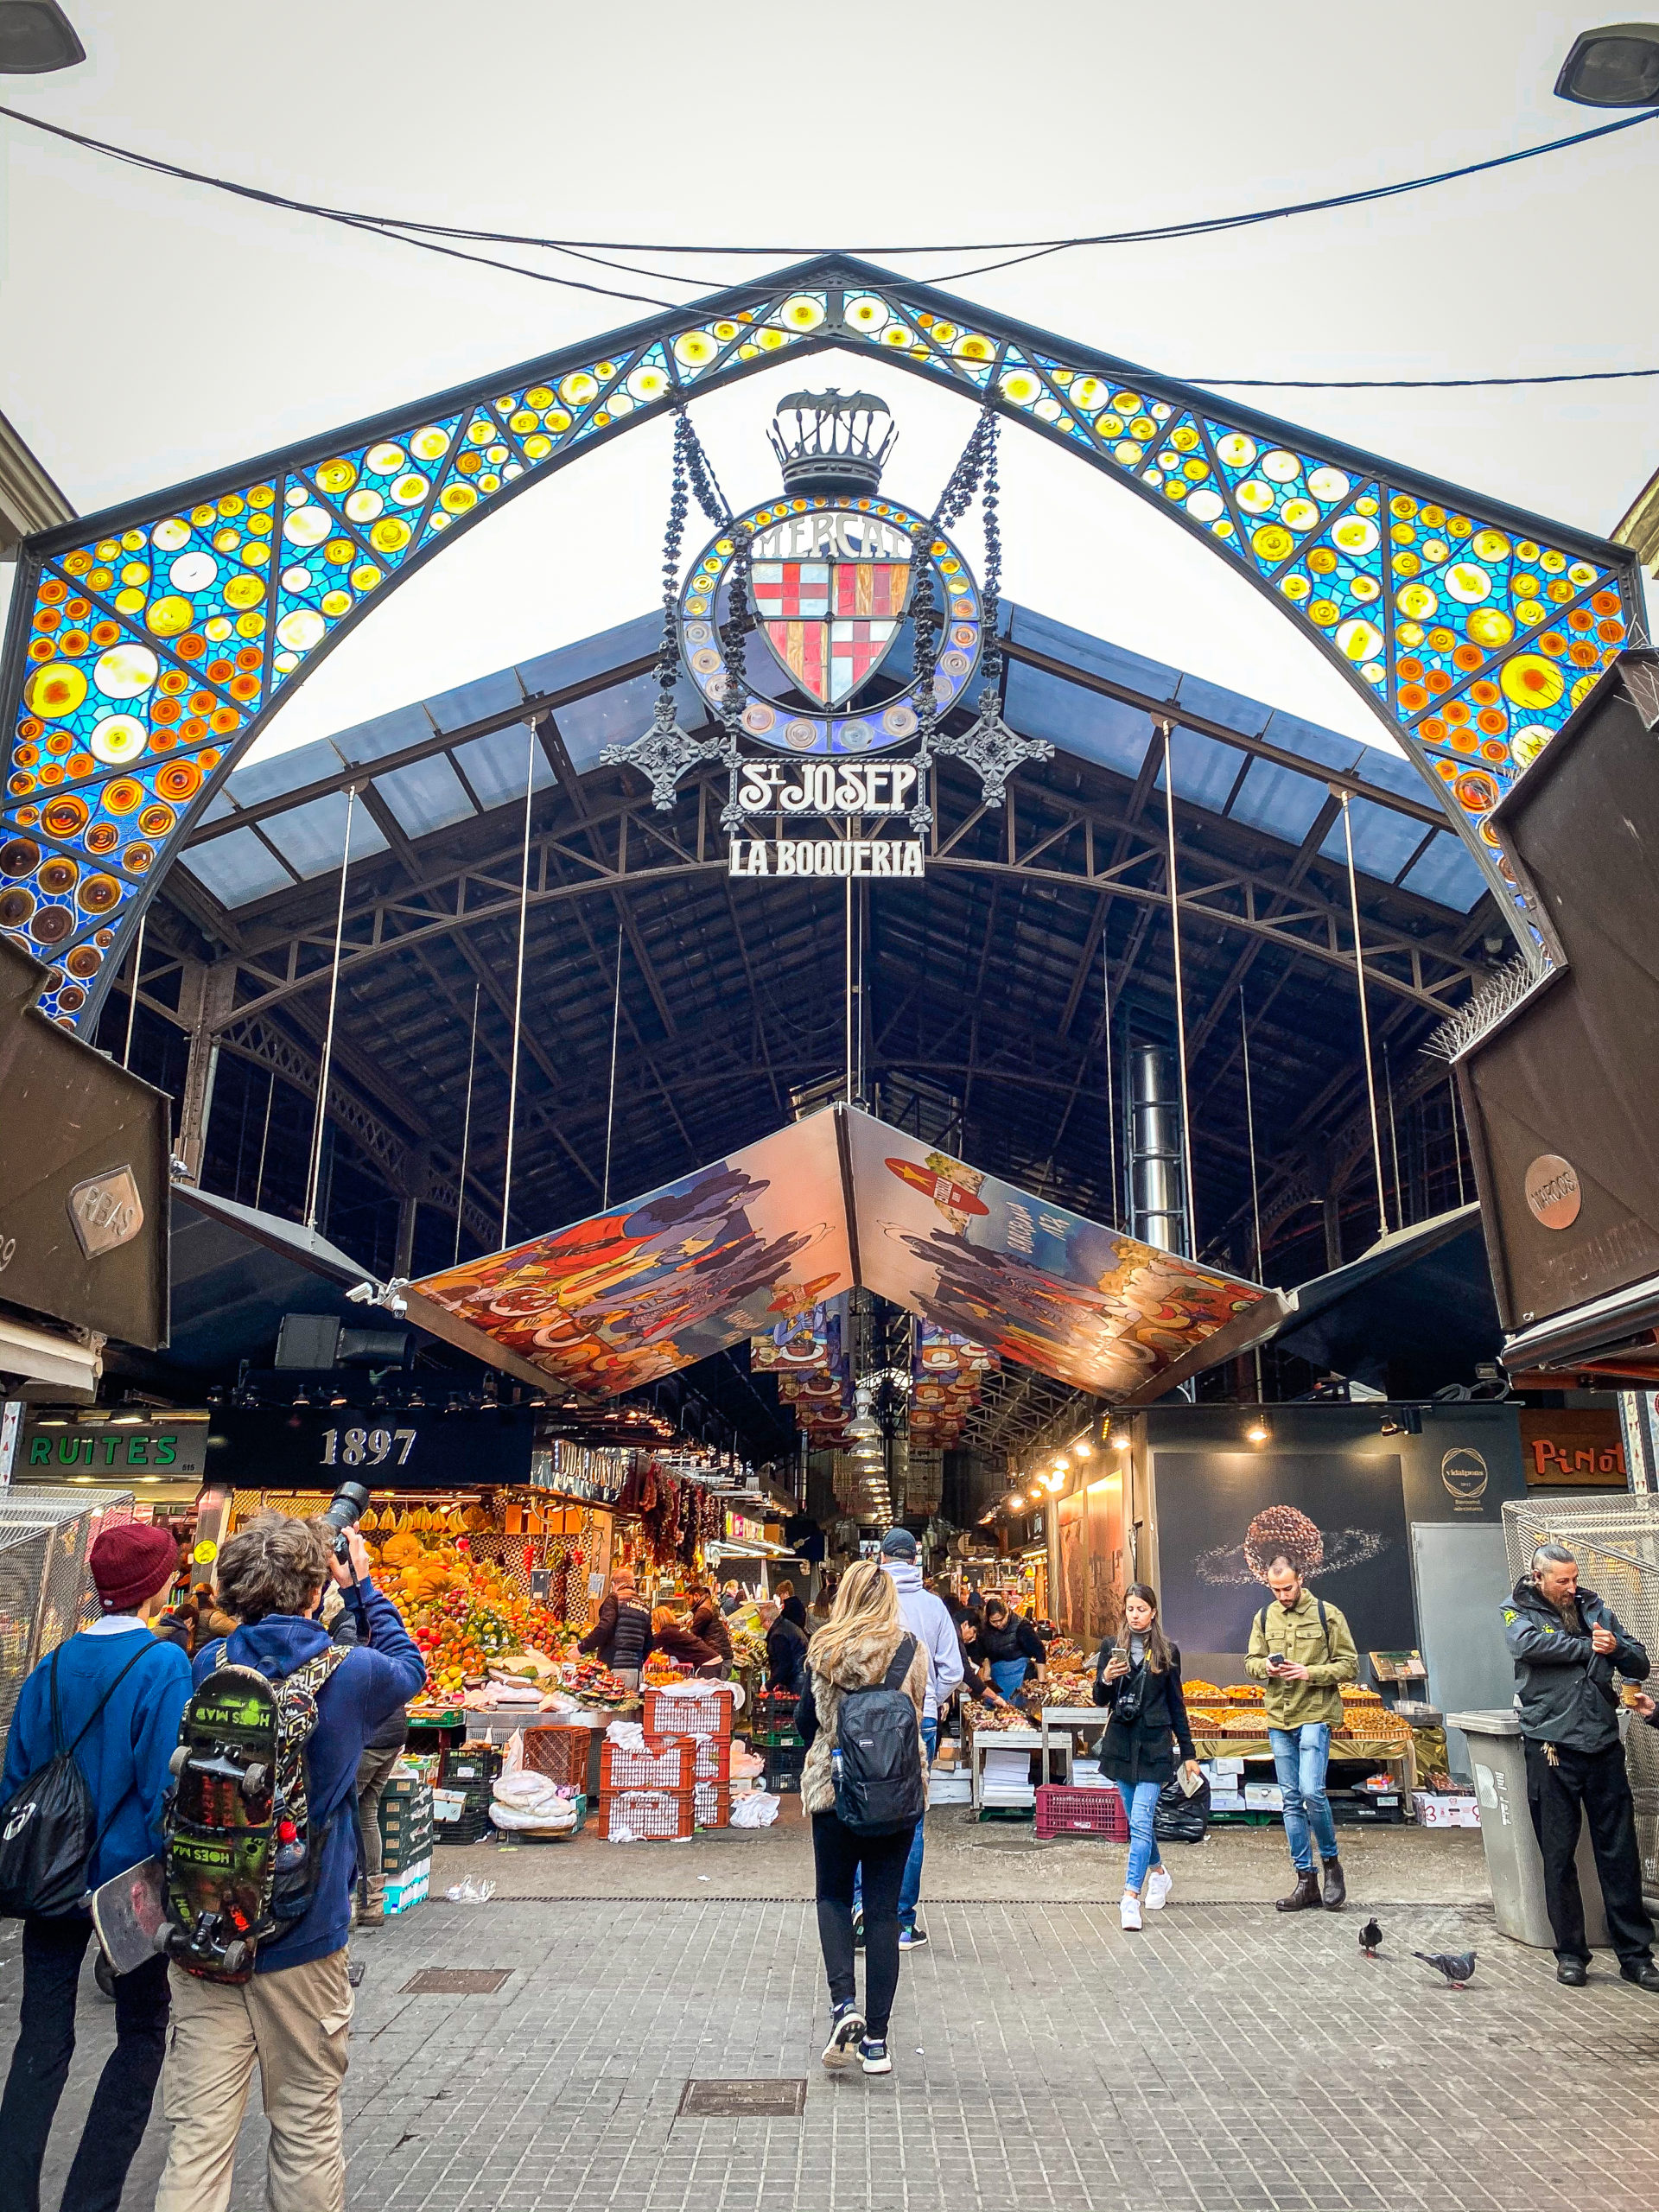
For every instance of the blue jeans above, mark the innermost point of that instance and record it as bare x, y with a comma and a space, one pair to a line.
1141, 1803
1300, 1757
910, 1888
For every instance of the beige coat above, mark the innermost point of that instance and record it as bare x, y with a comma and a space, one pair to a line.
862, 1664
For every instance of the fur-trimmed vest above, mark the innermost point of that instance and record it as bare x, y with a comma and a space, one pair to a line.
863, 1663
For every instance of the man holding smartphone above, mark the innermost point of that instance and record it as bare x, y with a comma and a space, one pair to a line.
1301, 1650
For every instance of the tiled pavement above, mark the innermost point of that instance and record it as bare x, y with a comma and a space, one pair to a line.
1221, 2059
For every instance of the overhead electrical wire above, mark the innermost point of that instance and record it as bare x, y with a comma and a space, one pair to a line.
413, 232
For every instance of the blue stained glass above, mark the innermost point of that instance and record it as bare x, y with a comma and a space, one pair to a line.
1337, 584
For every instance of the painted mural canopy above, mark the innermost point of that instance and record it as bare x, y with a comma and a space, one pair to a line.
835, 1202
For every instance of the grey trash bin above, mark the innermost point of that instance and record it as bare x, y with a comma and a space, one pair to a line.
1513, 1863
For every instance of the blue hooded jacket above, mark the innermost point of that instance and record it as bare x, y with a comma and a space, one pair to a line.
124, 1755
369, 1684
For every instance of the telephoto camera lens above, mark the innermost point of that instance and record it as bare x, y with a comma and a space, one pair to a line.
345, 1510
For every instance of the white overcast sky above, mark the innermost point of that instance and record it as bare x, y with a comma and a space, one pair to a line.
154, 330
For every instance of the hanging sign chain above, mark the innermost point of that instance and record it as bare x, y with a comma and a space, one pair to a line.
667, 751
988, 744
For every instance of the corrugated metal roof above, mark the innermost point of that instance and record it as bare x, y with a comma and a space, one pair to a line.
487, 771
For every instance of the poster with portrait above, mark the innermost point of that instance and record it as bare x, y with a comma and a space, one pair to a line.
1222, 1516
1036, 1282
785, 1225
633, 1294
1104, 1502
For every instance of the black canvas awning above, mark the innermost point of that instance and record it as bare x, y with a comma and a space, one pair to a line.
1411, 1315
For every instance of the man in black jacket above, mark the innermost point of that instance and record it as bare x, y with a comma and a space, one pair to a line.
1567, 1644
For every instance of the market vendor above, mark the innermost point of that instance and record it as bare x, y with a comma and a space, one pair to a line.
711, 1623
786, 1644
621, 1636
670, 1635
1010, 1647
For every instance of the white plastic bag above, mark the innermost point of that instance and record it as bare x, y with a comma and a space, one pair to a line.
755, 1810
470, 1892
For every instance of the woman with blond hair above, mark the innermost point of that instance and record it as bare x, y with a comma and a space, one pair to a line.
863, 1647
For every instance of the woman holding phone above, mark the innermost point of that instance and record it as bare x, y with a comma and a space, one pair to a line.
1138, 1678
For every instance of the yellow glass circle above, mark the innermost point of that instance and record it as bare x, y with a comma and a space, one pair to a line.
55, 690
171, 616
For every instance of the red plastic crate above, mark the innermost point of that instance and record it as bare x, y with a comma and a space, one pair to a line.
1062, 1810
711, 1802
562, 1754
671, 1712
664, 1763
713, 1760
653, 1816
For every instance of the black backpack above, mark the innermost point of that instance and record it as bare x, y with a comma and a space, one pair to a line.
47, 1830
880, 1787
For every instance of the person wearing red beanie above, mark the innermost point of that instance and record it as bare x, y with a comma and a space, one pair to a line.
127, 1690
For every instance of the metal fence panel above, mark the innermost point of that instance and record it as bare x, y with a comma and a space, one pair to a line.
46, 1593
1616, 1542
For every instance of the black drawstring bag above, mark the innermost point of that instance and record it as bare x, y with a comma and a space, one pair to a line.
48, 1831
1181, 1819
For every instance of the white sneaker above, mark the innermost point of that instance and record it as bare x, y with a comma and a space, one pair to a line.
1159, 1886
1128, 1912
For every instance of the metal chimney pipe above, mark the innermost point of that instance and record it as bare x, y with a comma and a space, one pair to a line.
1156, 1179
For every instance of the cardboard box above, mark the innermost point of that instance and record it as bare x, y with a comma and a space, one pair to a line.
406, 1890
1227, 1801
1214, 1769
1264, 1797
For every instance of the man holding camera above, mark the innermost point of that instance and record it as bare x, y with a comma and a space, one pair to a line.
294, 2015
1302, 1652
1567, 1645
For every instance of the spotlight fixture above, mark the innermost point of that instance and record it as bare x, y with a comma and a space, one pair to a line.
1121, 1440
1616, 66
1037, 1497
1258, 1431
35, 38
1016, 1499
1083, 1447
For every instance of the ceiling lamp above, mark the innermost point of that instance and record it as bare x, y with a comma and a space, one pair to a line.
1121, 1440
1016, 1499
863, 1425
1258, 1431
1083, 1447
1615, 67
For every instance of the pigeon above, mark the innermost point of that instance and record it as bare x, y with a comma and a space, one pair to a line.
1456, 1965
1370, 1936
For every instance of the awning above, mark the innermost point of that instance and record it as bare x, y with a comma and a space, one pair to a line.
1415, 1313
826, 1204
236, 1272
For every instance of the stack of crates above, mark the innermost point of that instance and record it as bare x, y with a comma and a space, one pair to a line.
707, 1719
469, 1773
774, 1735
648, 1792
405, 1823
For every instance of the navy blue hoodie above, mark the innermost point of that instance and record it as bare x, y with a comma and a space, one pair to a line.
378, 1676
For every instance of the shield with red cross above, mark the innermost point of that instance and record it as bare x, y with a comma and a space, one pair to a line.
829, 623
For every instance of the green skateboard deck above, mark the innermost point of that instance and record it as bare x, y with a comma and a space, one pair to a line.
220, 1851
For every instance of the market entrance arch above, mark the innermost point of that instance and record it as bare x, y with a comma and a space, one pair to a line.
150, 645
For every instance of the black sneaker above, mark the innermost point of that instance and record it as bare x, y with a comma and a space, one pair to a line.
910, 1937
873, 2055
858, 1931
846, 2034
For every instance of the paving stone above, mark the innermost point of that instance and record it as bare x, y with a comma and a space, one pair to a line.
1223, 2060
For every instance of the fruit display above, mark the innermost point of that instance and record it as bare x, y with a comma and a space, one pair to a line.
466, 1618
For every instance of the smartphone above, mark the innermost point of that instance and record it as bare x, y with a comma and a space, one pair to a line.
1275, 1658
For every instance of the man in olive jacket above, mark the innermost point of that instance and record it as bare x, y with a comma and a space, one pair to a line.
1301, 1650
1567, 1644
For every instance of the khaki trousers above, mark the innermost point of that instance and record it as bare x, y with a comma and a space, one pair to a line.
296, 2022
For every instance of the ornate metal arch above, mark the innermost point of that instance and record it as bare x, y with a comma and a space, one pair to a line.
149, 645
